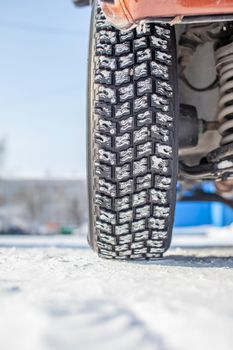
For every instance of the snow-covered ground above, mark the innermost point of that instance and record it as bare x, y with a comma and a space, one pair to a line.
56, 294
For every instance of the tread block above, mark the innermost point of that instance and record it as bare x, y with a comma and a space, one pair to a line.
103, 170
137, 257
127, 155
140, 71
125, 253
107, 126
157, 243
104, 246
126, 187
157, 235
156, 250
106, 37
103, 226
139, 225
141, 236
122, 110
140, 103
164, 88
155, 223
159, 43
163, 57
137, 245
107, 216
103, 140
162, 182
102, 24
154, 256
106, 94
122, 76
143, 212
144, 87
122, 141
144, 149
157, 196
139, 198
125, 216
159, 164
122, 172
159, 133
140, 166
162, 212
141, 134
144, 55
164, 119
122, 48
140, 43
159, 70
126, 92
107, 156
103, 76
160, 102
102, 109
126, 124
124, 36
125, 239
142, 30
140, 250
120, 248
162, 32
106, 62
126, 61
107, 187
122, 203
122, 229
143, 182
106, 253
164, 150
103, 201
144, 118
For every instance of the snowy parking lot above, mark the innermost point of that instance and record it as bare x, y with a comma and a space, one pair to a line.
55, 293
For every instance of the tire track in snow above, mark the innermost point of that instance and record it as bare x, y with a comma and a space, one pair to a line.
100, 322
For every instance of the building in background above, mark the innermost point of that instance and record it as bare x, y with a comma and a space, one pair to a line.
42, 206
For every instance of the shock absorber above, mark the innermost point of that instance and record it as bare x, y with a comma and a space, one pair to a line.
224, 66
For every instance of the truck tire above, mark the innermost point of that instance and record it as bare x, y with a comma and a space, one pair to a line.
132, 139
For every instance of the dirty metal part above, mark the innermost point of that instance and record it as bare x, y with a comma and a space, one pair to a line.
188, 127
218, 165
127, 13
220, 153
221, 170
210, 125
224, 186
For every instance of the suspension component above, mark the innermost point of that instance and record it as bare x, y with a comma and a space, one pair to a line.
191, 127
189, 130
194, 36
218, 164
224, 65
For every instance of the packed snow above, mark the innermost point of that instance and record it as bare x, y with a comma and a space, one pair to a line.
55, 293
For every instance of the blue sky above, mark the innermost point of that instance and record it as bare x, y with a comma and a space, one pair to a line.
43, 56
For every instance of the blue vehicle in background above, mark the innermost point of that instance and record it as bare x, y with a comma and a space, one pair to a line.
202, 206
